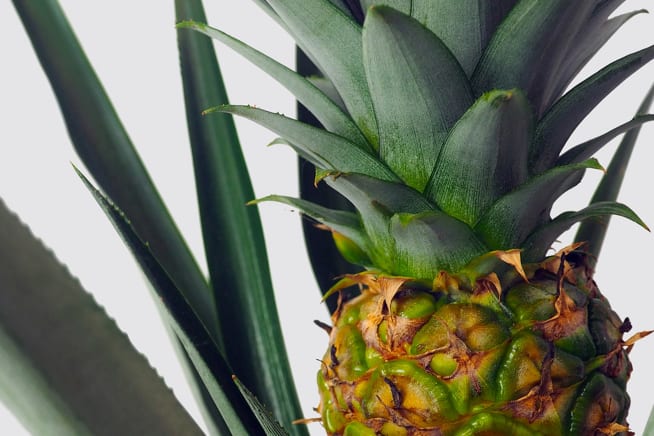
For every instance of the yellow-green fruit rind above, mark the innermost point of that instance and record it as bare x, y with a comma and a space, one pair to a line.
543, 356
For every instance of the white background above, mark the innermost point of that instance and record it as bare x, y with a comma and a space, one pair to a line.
132, 46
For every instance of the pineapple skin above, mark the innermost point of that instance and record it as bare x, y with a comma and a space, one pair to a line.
541, 356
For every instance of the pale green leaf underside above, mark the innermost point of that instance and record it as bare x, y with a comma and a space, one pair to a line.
430, 242
66, 366
270, 426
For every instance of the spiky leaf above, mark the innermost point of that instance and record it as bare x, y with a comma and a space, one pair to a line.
333, 41
325, 150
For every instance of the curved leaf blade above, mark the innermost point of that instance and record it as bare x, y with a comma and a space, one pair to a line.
512, 218
344, 222
325, 150
418, 91
376, 202
270, 426
587, 149
590, 39
327, 261
431, 242
232, 232
591, 232
203, 352
326, 111
106, 150
67, 367
333, 40
556, 126
528, 47
540, 241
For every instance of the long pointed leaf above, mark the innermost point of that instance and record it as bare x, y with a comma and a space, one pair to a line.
344, 222
562, 119
270, 426
106, 150
330, 115
529, 46
418, 91
193, 334
67, 367
592, 232
333, 40
587, 149
326, 259
325, 150
539, 242
509, 221
588, 42
232, 233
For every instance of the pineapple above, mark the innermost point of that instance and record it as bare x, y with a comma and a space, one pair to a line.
444, 126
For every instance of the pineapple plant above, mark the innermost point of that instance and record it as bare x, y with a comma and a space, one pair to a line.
449, 145
443, 124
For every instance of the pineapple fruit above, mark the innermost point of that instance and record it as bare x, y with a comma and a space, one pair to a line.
444, 126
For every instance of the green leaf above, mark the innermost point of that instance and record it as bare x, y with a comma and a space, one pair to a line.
66, 367
330, 115
430, 242
528, 47
556, 126
328, 261
377, 201
344, 222
509, 221
203, 352
484, 157
592, 232
540, 241
418, 91
403, 6
270, 426
476, 21
333, 41
325, 150
106, 150
232, 232
327, 88
649, 427
340, 4
589, 40
587, 149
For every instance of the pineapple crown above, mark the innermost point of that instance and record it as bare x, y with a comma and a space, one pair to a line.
445, 122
